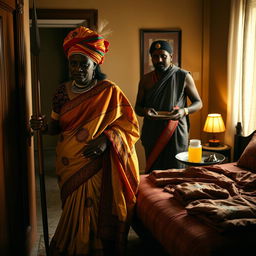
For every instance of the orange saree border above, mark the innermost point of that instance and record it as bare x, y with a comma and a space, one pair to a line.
119, 155
81, 176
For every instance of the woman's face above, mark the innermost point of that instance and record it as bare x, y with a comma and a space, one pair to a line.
81, 68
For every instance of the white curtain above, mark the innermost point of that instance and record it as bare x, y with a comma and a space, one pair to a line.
241, 68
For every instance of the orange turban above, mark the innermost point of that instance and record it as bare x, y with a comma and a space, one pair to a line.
82, 40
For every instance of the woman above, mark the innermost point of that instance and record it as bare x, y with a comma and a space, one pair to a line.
96, 163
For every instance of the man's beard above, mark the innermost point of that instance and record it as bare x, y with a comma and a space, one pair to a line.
160, 68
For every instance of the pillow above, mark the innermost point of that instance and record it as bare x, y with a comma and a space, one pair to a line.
248, 157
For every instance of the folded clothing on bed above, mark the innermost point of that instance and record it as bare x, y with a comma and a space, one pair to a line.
234, 212
163, 178
220, 197
190, 191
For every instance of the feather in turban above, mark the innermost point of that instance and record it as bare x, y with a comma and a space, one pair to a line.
82, 40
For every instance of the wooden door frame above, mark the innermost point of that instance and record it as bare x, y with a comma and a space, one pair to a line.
14, 130
90, 15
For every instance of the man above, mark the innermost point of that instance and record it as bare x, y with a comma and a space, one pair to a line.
162, 101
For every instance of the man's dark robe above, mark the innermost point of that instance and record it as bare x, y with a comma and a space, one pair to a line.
167, 93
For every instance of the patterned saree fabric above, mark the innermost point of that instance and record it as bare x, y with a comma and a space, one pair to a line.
92, 187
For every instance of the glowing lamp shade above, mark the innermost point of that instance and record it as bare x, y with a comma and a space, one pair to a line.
214, 124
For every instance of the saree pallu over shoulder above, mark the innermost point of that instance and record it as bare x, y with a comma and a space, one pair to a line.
168, 91
104, 109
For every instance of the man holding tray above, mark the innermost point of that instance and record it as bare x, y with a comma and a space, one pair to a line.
162, 101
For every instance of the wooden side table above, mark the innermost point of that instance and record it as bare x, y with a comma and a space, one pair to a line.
222, 149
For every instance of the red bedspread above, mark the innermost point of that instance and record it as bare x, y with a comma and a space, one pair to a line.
183, 234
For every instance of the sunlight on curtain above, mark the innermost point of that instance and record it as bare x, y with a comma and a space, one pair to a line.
249, 70
241, 68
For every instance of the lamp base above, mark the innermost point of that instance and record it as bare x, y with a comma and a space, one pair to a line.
214, 143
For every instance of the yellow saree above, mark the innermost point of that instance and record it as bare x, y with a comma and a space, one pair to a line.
98, 194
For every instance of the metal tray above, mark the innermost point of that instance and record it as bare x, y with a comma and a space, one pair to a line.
183, 157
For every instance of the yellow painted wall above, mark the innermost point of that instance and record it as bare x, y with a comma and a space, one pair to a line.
127, 17
219, 26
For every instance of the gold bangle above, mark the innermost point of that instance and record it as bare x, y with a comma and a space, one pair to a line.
186, 111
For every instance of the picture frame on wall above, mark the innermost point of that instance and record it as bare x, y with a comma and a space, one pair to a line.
147, 36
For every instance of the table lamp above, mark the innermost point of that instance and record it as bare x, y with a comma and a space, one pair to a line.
214, 124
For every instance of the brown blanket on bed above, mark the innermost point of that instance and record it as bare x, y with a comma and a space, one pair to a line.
221, 198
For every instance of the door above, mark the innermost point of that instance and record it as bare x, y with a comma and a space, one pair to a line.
14, 209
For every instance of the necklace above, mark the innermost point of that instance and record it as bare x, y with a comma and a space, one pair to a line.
76, 88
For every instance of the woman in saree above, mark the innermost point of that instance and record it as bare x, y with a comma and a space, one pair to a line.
96, 161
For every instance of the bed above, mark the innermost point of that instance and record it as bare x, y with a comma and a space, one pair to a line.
202, 211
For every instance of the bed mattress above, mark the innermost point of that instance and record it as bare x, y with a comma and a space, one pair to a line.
182, 234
